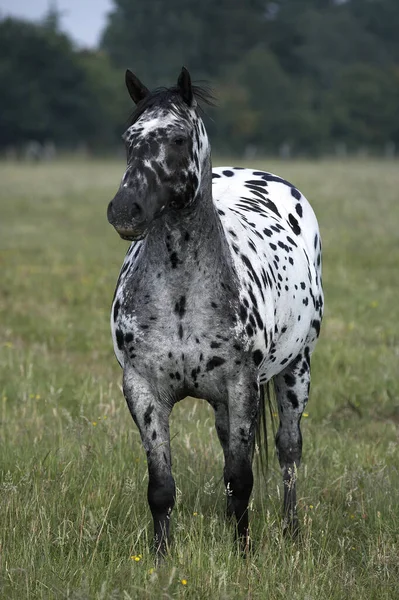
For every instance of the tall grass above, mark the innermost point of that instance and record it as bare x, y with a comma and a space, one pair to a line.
74, 521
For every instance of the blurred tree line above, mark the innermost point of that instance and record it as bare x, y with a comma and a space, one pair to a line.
308, 76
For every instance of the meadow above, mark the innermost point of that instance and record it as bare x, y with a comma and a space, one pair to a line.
74, 521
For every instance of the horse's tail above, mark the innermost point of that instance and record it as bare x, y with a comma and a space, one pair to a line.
267, 404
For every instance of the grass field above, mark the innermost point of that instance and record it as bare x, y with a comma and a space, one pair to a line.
74, 521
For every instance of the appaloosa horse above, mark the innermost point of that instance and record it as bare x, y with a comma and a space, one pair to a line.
219, 292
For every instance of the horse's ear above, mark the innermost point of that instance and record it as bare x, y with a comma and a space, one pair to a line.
184, 85
136, 89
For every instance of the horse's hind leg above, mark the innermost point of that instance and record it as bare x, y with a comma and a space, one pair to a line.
152, 419
292, 391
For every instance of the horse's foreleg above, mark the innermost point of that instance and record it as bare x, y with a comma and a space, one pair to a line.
152, 419
292, 391
243, 411
222, 429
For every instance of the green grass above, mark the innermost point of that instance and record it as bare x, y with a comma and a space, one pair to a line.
73, 476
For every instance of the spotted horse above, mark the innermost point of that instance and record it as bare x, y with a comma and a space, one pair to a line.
219, 293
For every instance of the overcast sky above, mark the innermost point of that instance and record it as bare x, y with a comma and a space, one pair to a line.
82, 19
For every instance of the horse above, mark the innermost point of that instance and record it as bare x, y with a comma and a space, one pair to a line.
219, 295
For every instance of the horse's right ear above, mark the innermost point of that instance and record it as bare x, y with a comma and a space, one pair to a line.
136, 89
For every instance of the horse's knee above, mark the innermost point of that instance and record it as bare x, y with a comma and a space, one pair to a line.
161, 494
239, 480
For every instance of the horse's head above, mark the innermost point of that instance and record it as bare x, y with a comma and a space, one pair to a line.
167, 152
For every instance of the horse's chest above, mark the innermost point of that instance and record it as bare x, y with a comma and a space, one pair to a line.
179, 340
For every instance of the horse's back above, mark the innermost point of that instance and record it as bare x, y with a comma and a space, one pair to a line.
259, 196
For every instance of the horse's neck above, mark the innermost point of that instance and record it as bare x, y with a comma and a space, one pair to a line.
190, 245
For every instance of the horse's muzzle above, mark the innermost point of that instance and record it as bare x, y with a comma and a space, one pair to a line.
124, 223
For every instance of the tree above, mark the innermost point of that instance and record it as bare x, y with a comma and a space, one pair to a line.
206, 36
45, 91
364, 106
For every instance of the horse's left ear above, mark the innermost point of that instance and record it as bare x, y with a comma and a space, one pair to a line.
136, 89
185, 88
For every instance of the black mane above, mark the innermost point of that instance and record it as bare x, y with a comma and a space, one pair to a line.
164, 97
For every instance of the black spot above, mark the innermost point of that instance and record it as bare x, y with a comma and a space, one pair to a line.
116, 309
295, 193
252, 245
243, 313
315, 241
273, 246
257, 355
228, 173
215, 361
305, 301
215, 176
256, 182
258, 319
303, 286
294, 224
147, 415
174, 260
177, 375
128, 338
316, 326
293, 398
186, 237
180, 307
298, 209
215, 345
119, 338
268, 232
154, 435
181, 331
289, 380
249, 330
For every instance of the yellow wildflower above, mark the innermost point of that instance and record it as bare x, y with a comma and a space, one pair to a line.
183, 581
305, 415
94, 423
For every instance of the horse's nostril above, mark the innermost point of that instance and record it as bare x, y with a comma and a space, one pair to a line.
136, 210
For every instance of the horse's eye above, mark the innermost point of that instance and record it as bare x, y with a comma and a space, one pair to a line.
179, 141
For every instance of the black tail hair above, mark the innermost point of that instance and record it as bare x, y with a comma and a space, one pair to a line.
267, 403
